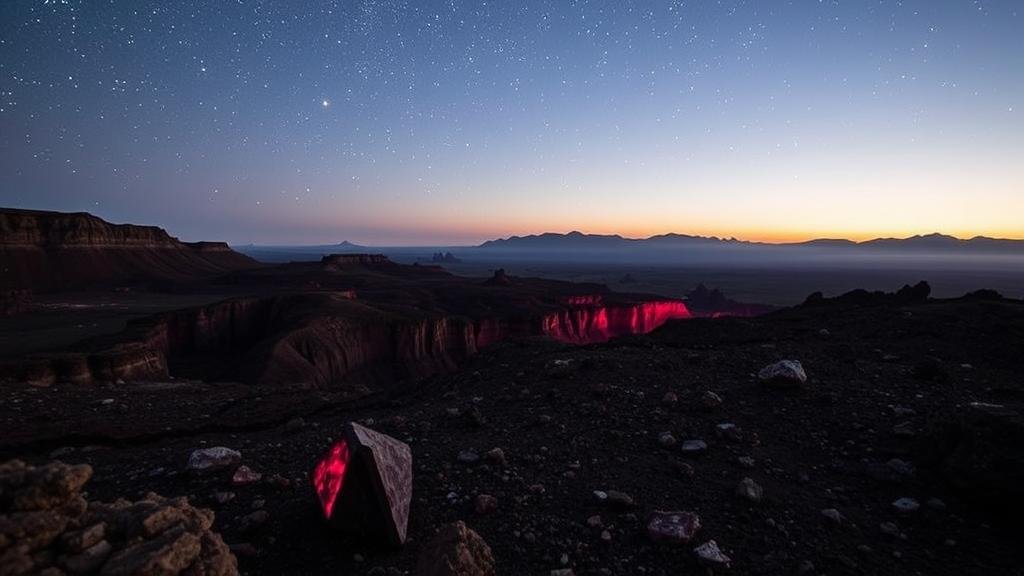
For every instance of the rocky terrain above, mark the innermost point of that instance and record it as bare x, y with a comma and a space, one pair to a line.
54, 251
347, 323
896, 452
555, 427
47, 527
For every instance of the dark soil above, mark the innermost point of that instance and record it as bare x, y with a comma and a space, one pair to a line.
593, 424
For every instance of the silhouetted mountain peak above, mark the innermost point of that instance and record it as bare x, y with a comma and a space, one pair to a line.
576, 240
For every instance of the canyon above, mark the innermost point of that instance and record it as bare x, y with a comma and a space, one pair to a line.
345, 337
348, 321
526, 403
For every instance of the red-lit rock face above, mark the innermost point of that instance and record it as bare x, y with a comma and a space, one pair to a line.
329, 476
587, 325
364, 485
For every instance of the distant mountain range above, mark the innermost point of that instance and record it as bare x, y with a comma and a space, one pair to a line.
598, 242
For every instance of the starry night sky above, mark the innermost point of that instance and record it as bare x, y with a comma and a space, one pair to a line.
434, 122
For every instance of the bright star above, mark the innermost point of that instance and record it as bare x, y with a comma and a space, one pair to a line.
325, 103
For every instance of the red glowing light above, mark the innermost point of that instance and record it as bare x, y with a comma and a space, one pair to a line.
586, 325
329, 476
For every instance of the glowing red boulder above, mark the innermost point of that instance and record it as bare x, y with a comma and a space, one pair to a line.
364, 484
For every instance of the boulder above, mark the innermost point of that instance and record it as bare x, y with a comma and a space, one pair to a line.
456, 550
783, 374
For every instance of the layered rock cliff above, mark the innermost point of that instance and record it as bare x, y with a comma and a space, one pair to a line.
321, 339
54, 251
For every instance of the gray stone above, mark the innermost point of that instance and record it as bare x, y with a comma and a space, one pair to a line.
709, 554
750, 490
783, 374
675, 527
694, 447
906, 505
216, 458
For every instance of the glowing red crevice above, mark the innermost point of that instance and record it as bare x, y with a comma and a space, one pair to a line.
329, 476
590, 324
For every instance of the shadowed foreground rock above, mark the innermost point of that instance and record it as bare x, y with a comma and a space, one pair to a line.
46, 527
456, 551
977, 449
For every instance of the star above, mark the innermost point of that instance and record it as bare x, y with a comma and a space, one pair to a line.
325, 103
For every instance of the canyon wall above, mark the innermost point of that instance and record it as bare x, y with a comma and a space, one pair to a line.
599, 323
320, 340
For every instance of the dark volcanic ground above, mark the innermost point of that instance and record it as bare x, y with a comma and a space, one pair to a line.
572, 420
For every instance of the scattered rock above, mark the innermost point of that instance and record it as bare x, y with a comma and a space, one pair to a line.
216, 458
694, 447
496, 456
456, 550
223, 497
750, 490
783, 374
669, 398
619, 499
485, 504
672, 527
684, 469
906, 505
729, 431
244, 476
666, 440
833, 515
889, 528
900, 468
710, 400
904, 430
710, 555
47, 527
253, 520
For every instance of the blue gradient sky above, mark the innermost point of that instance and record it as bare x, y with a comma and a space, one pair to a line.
454, 122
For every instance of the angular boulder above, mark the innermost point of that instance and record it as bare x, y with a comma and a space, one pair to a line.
364, 484
456, 550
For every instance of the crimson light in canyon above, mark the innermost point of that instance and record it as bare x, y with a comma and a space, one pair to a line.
588, 320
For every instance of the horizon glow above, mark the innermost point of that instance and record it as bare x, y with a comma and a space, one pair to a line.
395, 123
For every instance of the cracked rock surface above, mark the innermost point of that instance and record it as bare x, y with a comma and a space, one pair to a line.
48, 527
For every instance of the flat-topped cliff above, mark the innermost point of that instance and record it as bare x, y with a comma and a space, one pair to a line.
57, 251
